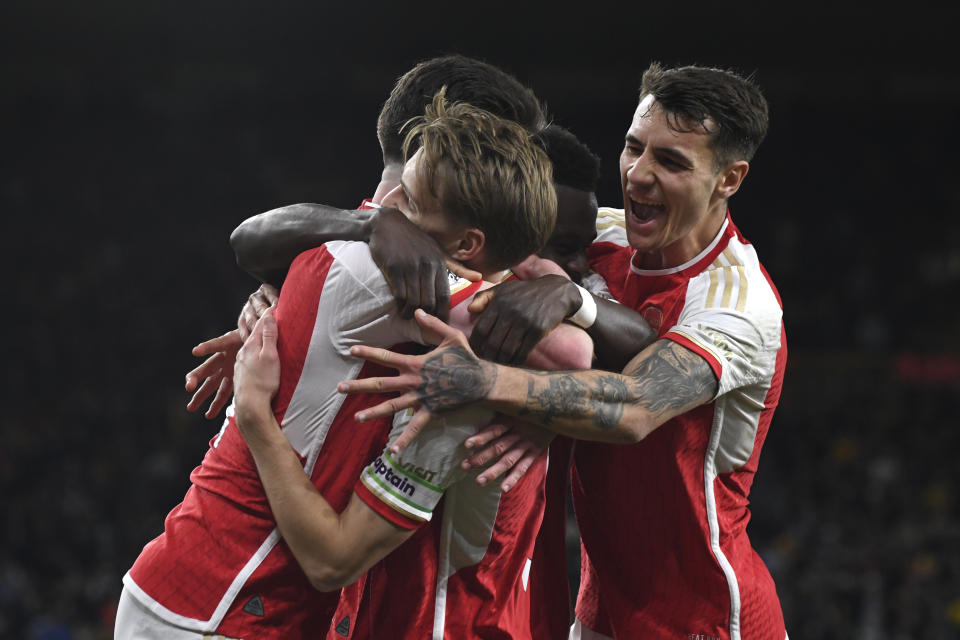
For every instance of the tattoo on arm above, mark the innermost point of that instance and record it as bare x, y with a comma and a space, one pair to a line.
454, 377
601, 398
671, 378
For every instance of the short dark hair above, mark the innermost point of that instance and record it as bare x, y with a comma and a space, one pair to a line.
574, 164
489, 173
466, 80
694, 94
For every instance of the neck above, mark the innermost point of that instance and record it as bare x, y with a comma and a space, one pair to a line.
686, 248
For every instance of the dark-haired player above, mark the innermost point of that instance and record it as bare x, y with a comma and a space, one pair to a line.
661, 492
232, 564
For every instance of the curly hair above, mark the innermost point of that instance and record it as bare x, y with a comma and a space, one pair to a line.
467, 80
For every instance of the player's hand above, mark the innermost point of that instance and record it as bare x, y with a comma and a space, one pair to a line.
216, 373
515, 315
414, 265
257, 371
535, 266
256, 305
513, 444
446, 378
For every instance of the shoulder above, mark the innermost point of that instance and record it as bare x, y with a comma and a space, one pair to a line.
611, 226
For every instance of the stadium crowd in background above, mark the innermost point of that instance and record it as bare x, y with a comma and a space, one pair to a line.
900, 579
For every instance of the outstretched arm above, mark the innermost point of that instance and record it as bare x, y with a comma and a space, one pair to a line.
662, 381
267, 243
333, 549
413, 263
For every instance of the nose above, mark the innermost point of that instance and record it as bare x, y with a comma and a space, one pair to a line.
640, 172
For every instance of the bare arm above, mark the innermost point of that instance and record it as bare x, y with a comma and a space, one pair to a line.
514, 315
412, 262
661, 382
267, 243
333, 549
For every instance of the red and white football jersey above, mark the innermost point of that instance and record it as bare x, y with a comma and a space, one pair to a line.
465, 573
663, 522
220, 565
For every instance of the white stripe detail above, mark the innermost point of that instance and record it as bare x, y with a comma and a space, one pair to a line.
686, 265
525, 576
443, 569
579, 631
415, 507
709, 477
206, 625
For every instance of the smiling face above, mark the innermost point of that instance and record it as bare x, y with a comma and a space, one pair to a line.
674, 198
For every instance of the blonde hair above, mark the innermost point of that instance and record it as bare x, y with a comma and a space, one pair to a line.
486, 172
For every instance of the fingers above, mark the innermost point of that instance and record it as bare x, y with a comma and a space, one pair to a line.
246, 322
413, 428
488, 434
402, 293
480, 301
254, 341
206, 389
260, 303
436, 330
387, 408
379, 356
462, 271
436, 290
210, 367
522, 352
269, 332
213, 345
270, 293
220, 400
519, 470
492, 452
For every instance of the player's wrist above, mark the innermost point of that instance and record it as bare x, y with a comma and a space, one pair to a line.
584, 309
368, 224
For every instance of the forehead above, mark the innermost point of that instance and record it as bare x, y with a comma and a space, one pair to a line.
650, 125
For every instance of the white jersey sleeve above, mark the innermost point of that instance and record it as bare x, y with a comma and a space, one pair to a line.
413, 481
359, 302
732, 317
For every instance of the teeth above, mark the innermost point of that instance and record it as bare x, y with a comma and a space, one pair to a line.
645, 210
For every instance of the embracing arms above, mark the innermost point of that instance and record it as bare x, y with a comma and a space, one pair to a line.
662, 381
413, 263
333, 549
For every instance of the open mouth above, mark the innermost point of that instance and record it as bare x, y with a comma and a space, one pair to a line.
646, 211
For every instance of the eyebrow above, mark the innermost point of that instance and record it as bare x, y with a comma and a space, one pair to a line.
668, 151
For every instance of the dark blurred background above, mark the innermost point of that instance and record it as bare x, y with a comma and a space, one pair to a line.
136, 136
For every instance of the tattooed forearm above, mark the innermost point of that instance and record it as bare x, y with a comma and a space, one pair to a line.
454, 377
671, 378
601, 398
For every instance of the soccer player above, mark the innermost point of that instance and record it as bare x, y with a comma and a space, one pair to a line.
220, 565
266, 244
661, 492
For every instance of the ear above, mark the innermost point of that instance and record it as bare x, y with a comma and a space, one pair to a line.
731, 178
469, 245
